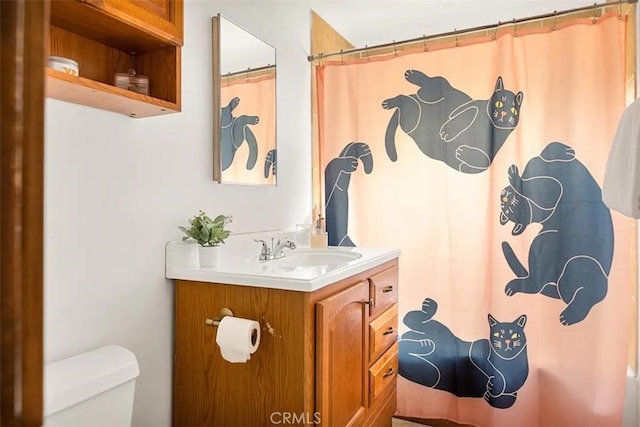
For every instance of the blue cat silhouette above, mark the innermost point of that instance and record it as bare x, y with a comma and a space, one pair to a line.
271, 163
448, 125
235, 131
337, 176
494, 369
570, 258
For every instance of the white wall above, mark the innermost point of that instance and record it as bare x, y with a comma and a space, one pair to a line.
117, 188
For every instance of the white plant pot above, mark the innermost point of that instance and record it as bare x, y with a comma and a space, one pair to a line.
209, 256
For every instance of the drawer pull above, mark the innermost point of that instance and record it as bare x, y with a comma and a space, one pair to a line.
387, 289
388, 373
388, 331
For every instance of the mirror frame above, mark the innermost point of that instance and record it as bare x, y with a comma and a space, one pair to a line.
217, 135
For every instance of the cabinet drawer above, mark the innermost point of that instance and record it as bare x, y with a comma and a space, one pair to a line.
384, 290
383, 373
383, 331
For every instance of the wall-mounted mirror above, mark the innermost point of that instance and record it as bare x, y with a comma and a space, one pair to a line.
244, 99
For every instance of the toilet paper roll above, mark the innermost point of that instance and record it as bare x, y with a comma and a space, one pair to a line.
238, 338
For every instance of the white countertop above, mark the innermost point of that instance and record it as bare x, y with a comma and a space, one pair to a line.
245, 269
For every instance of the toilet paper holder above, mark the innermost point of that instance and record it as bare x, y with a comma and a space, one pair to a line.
226, 312
215, 322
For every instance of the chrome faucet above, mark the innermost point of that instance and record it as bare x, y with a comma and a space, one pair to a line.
282, 244
276, 251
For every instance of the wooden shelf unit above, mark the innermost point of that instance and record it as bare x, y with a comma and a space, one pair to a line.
113, 36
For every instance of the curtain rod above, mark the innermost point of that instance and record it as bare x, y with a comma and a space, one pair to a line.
248, 70
472, 29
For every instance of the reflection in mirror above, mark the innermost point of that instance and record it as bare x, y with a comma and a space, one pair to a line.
244, 75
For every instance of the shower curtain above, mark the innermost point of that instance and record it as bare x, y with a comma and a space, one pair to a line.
248, 118
483, 162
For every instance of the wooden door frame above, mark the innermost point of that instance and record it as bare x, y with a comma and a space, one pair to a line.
24, 30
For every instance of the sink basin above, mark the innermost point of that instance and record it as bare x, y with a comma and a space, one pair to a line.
310, 258
303, 269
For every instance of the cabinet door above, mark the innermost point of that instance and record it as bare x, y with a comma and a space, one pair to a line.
341, 345
155, 16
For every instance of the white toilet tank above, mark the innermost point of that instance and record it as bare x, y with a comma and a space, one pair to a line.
91, 389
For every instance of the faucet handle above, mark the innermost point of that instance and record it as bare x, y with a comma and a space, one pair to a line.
265, 249
285, 241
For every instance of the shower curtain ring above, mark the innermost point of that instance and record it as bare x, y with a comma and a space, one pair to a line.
555, 20
395, 52
594, 19
366, 52
457, 42
341, 57
246, 77
619, 9
515, 28
424, 40
493, 37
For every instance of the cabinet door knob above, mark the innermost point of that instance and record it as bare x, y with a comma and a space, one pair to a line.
370, 303
388, 373
387, 289
388, 331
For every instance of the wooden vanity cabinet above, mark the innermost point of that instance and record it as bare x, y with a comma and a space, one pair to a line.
327, 357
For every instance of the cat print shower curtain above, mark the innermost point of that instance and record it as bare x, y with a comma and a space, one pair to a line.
248, 134
483, 162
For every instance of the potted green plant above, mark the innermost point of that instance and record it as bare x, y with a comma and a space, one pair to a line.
210, 234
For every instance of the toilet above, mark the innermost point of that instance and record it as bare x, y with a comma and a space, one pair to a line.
94, 389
